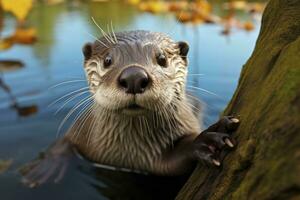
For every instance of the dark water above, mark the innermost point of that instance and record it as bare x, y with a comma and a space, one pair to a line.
56, 57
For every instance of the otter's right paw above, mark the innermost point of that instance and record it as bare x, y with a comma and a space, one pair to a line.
209, 145
49, 165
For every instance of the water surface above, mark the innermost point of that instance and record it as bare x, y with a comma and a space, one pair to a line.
56, 57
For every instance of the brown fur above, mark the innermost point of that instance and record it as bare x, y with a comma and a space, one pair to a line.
107, 135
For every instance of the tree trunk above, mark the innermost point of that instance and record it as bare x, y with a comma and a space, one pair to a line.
266, 162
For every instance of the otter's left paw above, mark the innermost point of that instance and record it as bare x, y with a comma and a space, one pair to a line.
207, 147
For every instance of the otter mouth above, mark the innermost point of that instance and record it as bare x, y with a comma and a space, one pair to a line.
134, 109
134, 106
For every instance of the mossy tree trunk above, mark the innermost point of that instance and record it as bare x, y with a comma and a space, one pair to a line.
266, 162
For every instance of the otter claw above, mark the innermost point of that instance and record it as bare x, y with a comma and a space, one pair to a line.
211, 142
229, 143
216, 162
235, 120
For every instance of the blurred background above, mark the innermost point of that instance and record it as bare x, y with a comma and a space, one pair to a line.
41, 70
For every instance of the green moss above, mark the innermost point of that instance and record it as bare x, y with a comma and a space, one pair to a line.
266, 163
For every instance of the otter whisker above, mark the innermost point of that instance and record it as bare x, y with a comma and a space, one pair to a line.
204, 104
170, 125
80, 103
85, 117
97, 39
91, 127
70, 93
177, 21
70, 99
113, 32
194, 98
66, 82
109, 33
201, 89
191, 106
72, 111
105, 35
195, 74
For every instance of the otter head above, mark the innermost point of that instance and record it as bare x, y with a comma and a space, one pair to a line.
136, 72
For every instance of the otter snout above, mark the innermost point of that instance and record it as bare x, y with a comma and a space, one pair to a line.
134, 80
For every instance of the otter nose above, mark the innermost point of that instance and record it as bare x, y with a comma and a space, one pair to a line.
134, 80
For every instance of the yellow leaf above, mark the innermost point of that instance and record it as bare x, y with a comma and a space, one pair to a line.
6, 43
19, 8
239, 5
24, 36
248, 26
153, 6
133, 2
204, 7
177, 6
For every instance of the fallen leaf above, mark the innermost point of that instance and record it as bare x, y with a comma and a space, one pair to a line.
225, 31
4, 165
24, 36
241, 5
20, 36
19, 8
25, 111
53, 2
6, 43
256, 7
133, 2
153, 7
248, 26
184, 17
203, 7
177, 6
10, 65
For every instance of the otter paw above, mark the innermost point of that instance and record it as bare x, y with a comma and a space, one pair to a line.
49, 165
43, 169
226, 124
208, 146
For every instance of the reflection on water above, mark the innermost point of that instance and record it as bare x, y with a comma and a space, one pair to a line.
61, 31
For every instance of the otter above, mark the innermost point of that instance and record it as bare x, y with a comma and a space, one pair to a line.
141, 117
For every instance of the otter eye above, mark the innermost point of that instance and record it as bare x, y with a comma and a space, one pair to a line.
107, 61
162, 60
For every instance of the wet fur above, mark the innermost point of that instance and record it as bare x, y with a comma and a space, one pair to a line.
107, 135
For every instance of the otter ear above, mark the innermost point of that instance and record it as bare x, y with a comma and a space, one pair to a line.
183, 49
87, 51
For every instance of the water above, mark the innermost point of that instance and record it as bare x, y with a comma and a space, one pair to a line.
56, 57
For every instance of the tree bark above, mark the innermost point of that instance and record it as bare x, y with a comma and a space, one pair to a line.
266, 162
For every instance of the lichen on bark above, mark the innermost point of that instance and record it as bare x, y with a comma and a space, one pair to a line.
266, 162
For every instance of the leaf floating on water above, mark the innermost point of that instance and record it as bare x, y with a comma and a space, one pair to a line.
25, 111
204, 7
184, 17
201, 11
20, 36
225, 31
54, 2
4, 165
237, 5
257, 7
10, 65
6, 43
153, 7
24, 36
248, 26
133, 2
19, 8
177, 6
